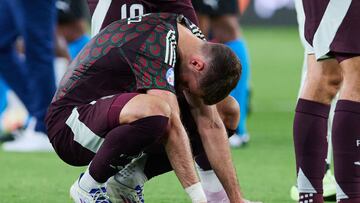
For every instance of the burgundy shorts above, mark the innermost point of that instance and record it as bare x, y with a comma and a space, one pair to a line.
332, 28
77, 133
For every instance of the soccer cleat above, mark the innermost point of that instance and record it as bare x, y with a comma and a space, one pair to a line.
35, 142
329, 186
239, 140
96, 195
29, 140
235, 141
127, 185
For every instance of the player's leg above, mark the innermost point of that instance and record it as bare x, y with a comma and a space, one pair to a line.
36, 24
346, 133
322, 83
109, 133
11, 67
143, 121
329, 180
39, 33
226, 29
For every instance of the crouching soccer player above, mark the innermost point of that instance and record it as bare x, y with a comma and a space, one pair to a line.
119, 98
105, 12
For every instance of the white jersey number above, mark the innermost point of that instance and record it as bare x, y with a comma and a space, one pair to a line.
135, 10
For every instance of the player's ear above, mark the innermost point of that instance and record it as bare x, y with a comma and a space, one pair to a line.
197, 64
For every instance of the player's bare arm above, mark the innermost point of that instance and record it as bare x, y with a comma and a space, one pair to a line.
177, 144
216, 145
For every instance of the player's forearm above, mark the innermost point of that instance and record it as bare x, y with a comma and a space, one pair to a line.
218, 152
178, 149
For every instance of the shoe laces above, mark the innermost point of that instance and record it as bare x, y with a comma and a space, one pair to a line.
139, 192
99, 195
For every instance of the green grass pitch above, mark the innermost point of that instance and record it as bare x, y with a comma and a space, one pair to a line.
266, 167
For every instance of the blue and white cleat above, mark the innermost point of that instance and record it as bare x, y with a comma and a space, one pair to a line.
127, 185
96, 195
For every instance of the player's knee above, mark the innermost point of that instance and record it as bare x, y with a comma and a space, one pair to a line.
142, 106
229, 111
333, 84
323, 80
156, 107
152, 116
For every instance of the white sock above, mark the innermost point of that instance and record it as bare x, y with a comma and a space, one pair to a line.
209, 180
87, 182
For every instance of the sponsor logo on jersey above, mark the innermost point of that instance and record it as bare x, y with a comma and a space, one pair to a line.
358, 143
170, 77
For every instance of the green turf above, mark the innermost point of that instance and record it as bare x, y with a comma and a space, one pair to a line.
265, 167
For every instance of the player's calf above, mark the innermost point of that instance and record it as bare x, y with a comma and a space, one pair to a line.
346, 134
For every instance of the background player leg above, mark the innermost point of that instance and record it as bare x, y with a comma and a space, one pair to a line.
36, 23
322, 82
226, 29
346, 134
329, 185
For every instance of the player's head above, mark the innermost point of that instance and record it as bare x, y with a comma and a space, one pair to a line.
216, 71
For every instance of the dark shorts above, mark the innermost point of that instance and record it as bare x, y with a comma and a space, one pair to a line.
77, 133
332, 28
217, 7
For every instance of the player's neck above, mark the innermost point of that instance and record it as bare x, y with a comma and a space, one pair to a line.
188, 43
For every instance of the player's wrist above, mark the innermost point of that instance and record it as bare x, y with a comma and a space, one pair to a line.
196, 193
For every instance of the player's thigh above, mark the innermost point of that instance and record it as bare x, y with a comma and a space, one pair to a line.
351, 83
323, 80
78, 132
143, 105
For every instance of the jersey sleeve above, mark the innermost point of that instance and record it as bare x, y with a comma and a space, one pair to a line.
154, 65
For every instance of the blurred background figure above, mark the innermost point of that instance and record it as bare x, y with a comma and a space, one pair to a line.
31, 77
71, 33
72, 24
219, 21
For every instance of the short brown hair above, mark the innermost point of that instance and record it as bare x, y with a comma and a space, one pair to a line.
222, 74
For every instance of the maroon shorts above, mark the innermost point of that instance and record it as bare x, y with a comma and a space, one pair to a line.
332, 27
120, 9
76, 133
